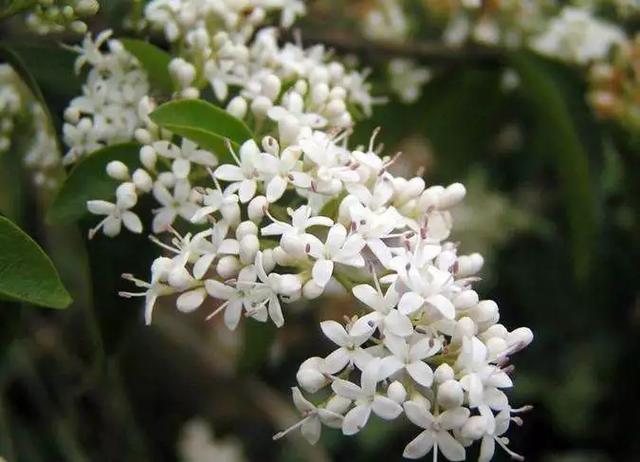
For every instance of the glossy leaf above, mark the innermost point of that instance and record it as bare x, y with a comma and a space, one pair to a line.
203, 123
567, 154
154, 60
26, 272
88, 180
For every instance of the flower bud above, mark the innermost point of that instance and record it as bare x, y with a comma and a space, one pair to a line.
260, 106
319, 93
465, 300
294, 245
450, 394
309, 376
179, 278
484, 311
142, 180
465, 327
443, 373
268, 260
249, 246
452, 196
271, 86
118, 170
468, 265
495, 346
143, 136
126, 195
497, 330
228, 266
521, 335
167, 179
397, 392
237, 107
256, 208
246, 228
148, 157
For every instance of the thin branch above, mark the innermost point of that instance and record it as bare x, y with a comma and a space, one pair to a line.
429, 52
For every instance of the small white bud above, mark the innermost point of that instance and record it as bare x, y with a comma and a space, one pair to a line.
268, 260
397, 392
497, 330
228, 266
142, 180
249, 246
465, 300
443, 373
309, 376
260, 106
495, 346
294, 245
148, 157
452, 196
521, 335
179, 278
450, 394
336, 108
118, 170
271, 86
143, 136
486, 310
237, 107
256, 208
126, 195
468, 265
246, 228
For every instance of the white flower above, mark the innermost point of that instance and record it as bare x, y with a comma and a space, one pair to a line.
366, 399
384, 314
117, 213
410, 356
244, 176
339, 248
436, 432
154, 289
173, 205
301, 219
185, 155
314, 416
350, 351
281, 171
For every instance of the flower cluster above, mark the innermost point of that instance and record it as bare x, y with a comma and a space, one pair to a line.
576, 36
41, 154
615, 85
53, 16
250, 73
11, 104
295, 213
107, 111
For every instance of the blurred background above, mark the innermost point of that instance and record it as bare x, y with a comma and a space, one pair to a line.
553, 199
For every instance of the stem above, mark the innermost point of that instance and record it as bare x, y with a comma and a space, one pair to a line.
430, 52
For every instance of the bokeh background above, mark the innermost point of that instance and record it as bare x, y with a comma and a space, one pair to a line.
552, 204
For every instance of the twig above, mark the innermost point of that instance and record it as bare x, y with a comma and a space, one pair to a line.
428, 52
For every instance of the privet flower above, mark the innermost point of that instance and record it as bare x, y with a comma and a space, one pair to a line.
298, 212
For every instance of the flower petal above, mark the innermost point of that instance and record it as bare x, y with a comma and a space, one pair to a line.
356, 419
419, 446
386, 408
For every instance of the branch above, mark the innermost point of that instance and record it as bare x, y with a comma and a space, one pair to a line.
429, 52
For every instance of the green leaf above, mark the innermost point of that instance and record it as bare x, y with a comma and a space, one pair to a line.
154, 60
567, 154
88, 181
203, 123
26, 273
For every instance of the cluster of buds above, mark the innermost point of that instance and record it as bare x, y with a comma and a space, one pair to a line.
54, 16
615, 85
41, 154
11, 104
107, 111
